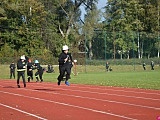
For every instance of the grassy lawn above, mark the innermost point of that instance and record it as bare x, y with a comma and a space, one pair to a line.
121, 76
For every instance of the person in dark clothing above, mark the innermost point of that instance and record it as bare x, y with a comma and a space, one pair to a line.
65, 65
144, 66
21, 70
152, 65
107, 66
50, 69
29, 70
12, 70
39, 72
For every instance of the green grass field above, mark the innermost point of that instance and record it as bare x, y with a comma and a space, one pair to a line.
121, 76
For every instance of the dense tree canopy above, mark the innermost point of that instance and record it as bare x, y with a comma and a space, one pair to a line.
39, 28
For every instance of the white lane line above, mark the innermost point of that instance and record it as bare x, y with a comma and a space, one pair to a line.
70, 105
30, 114
135, 97
145, 98
111, 101
104, 88
128, 91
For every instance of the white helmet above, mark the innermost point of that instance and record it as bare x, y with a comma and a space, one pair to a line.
23, 57
65, 47
36, 61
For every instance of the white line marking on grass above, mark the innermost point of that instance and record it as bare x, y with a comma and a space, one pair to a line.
65, 104
30, 114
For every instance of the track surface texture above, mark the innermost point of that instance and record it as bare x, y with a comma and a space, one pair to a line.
48, 101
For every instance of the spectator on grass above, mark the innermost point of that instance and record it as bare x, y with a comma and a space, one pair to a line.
12, 70
144, 66
50, 69
152, 65
107, 66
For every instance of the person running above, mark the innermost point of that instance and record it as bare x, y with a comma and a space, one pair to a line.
21, 66
65, 64
39, 72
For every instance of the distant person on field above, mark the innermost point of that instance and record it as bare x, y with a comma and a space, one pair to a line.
50, 69
107, 66
12, 70
152, 65
144, 66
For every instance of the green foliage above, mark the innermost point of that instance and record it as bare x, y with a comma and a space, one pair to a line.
32, 27
133, 15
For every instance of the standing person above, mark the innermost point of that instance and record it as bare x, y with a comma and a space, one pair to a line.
21, 70
65, 65
39, 72
152, 65
12, 70
29, 70
107, 66
144, 66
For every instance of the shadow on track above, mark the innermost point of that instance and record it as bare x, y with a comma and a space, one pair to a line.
47, 90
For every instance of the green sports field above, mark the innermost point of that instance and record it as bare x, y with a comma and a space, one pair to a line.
121, 76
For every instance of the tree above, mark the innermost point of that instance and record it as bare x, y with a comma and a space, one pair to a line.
92, 19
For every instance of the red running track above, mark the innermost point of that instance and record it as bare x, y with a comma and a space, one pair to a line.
47, 101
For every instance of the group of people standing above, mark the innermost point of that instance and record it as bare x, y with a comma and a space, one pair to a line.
152, 65
25, 63
65, 64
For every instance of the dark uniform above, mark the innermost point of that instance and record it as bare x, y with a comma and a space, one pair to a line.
12, 70
39, 72
21, 71
144, 66
29, 70
50, 69
64, 67
107, 66
152, 65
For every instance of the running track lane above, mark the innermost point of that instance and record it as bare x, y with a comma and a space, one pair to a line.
69, 106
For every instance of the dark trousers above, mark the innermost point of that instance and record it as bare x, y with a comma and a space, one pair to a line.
30, 75
40, 73
21, 74
12, 73
62, 70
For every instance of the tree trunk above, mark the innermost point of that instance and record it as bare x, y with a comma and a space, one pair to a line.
90, 50
121, 55
128, 55
138, 47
